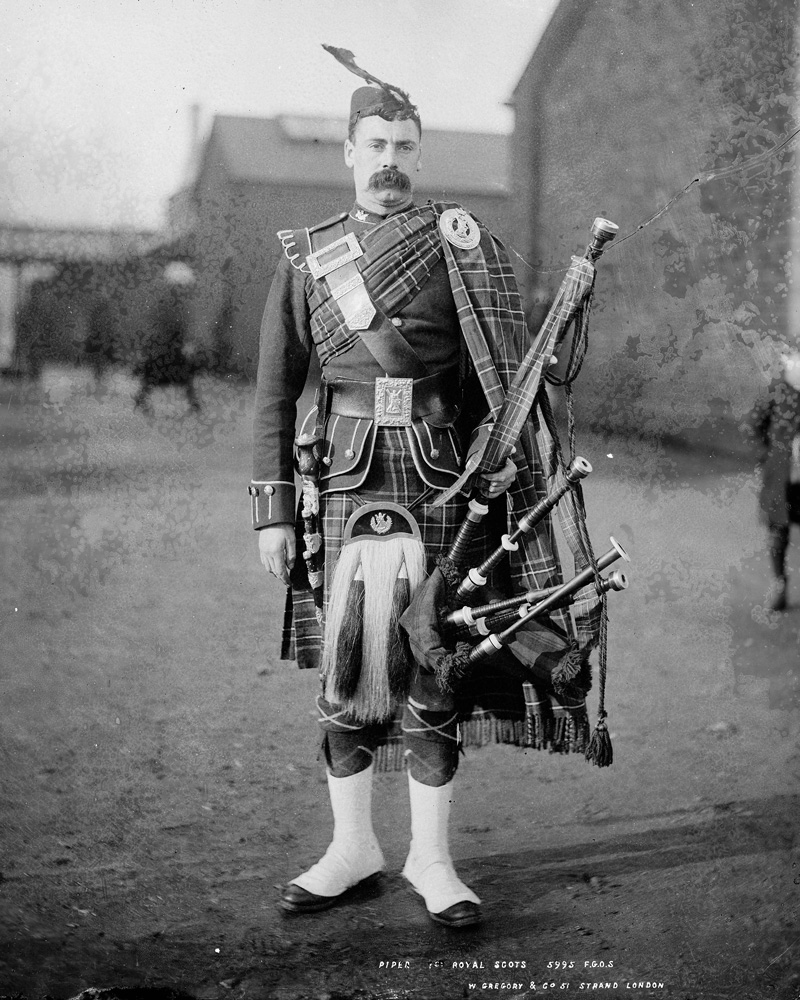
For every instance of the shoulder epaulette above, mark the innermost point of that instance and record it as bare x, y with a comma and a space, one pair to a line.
295, 252
297, 242
328, 222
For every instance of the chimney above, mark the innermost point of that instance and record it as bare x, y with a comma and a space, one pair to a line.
193, 159
194, 137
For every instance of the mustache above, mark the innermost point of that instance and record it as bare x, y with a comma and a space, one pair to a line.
389, 178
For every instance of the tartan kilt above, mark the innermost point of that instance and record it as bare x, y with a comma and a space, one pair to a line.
495, 706
392, 477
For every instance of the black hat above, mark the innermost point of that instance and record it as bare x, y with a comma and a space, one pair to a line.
368, 101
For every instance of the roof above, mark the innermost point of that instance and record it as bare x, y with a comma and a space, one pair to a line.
20, 243
307, 150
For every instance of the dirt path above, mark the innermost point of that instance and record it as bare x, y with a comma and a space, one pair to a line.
159, 774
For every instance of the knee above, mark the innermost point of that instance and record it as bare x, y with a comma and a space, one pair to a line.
431, 762
431, 745
431, 773
346, 757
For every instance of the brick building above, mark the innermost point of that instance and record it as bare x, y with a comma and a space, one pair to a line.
620, 108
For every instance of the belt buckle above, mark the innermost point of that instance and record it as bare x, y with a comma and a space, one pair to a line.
393, 401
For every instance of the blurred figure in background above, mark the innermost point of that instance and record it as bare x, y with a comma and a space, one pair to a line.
775, 425
100, 346
35, 326
167, 356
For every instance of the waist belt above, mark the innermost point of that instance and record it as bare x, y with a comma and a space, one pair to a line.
396, 402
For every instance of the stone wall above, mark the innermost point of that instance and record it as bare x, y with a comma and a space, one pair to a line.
621, 108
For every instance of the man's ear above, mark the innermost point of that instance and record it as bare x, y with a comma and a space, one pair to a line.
348, 153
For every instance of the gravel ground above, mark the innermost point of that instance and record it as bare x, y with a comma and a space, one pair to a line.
159, 770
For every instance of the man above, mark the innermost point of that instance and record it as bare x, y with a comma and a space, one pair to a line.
100, 346
775, 427
167, 356
396, 328
35, 330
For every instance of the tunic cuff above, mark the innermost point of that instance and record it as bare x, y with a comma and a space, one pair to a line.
271, 502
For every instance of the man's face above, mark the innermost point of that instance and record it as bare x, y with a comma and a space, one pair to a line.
383, 156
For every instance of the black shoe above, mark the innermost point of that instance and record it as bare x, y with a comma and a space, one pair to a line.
295, 899
465, 914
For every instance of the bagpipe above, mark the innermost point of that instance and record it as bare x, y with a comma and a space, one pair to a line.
453, 630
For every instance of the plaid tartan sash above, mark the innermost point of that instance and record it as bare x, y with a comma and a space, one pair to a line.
399, 255
494, 328
493, 323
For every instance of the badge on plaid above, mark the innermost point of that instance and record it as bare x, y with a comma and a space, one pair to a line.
459, 228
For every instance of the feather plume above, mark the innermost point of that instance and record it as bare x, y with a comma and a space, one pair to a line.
347, 59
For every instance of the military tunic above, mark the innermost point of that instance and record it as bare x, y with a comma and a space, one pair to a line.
428, 322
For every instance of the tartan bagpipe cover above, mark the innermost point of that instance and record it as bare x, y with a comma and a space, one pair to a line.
529, 694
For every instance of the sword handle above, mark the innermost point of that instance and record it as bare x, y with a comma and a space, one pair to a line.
308, 455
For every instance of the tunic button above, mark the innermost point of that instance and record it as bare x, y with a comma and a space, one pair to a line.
327, 461
349, 453
268, 491
434, 452
396, 321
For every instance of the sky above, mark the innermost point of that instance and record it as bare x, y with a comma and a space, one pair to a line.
95, 94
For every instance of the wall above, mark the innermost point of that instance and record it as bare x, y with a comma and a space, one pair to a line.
621, 108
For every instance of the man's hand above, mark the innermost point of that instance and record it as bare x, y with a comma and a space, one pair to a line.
498, 482
277, 548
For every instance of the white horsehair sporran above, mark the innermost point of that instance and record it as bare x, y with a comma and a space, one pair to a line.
365, 661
